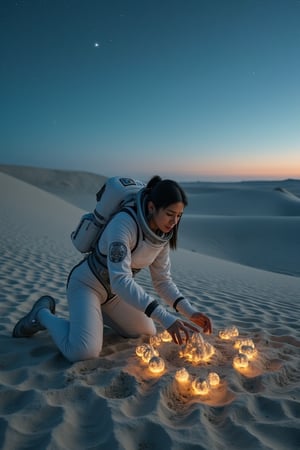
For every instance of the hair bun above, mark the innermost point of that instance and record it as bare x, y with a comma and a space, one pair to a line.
153, 182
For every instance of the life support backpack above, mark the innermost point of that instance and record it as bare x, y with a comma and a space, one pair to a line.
114, 195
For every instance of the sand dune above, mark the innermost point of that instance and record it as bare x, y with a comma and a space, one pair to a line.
251, 223
255, 224
266, 242
243, 201
114, 402
78, 188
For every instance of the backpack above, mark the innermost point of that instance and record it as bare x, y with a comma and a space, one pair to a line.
114, 195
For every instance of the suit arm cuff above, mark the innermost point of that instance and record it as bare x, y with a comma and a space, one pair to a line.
161, 315
184, 307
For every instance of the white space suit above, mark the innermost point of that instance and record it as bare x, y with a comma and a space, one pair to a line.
102, 289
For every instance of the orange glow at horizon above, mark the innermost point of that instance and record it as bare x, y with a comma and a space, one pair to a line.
261, 171
264, 168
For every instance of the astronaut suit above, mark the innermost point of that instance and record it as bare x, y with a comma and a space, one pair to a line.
102, 289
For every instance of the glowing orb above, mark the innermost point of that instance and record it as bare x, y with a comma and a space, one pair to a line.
182, 375
240, 361
140, 349
223, 334
213, 379
229, 333
165, 336
149, 353
240, 342
155, 341
200, 387
156, 364
248, 350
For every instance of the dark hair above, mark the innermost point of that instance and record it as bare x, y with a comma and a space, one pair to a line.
164, 193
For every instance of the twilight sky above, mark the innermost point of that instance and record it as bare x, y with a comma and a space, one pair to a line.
189, 89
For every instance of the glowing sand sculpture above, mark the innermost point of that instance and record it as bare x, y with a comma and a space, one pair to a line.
229, 333
156, 365
197, 350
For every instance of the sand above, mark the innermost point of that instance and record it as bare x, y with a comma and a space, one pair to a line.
238, 261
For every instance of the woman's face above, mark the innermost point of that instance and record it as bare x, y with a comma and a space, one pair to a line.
164, 219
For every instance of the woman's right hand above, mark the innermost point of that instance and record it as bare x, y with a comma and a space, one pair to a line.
180, 331
202, 321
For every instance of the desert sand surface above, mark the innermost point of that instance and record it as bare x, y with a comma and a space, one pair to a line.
238, 262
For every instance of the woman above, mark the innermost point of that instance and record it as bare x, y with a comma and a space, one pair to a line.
102, 288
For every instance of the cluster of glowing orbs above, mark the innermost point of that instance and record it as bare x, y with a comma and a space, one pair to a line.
182, 375
198, 385
229, 333
247, 351
246, 346
196, 349
156, 365
203, 387
150, 355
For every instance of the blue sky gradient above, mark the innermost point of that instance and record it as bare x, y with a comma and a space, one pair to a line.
193, 89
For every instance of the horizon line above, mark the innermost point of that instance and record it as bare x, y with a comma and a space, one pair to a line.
205, 179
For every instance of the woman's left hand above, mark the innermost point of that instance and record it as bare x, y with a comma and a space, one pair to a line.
202, 321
